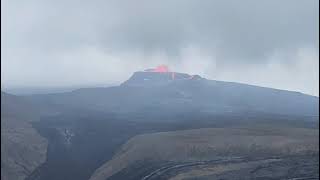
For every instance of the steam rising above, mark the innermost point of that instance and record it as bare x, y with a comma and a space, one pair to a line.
79, 43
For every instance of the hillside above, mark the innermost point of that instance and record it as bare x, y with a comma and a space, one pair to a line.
22, 148
150, 92
210, 143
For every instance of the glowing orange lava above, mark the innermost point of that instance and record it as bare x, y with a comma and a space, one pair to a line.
165, 69
161, 69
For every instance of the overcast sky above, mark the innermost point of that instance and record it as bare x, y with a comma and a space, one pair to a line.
63, 43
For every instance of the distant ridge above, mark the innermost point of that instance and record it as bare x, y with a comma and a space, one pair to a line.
162, 90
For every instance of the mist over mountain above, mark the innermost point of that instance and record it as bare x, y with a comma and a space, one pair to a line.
272, 43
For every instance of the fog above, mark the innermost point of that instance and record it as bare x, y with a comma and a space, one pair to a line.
56, 44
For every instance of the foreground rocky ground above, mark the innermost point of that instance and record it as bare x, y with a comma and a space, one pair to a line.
284, 167
217, 153
23, 149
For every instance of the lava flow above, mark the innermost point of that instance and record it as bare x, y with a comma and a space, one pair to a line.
165, 69
161, 69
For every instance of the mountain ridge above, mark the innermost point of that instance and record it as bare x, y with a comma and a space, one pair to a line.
161, 92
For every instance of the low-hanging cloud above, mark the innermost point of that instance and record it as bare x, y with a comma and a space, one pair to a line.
67, 43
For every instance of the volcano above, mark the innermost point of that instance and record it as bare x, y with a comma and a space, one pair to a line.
159, 75
161, 90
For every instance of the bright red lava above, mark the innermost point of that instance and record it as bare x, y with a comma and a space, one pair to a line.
165, 69
161, 69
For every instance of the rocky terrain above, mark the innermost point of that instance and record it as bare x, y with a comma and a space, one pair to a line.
208, 144
290, 167
22, 148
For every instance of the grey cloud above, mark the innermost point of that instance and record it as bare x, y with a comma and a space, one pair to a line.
245, 34
243, 29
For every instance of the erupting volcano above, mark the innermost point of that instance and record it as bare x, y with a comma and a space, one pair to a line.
158, 75
160, 69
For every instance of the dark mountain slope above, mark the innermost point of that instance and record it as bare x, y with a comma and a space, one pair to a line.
22, 148
162, 93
